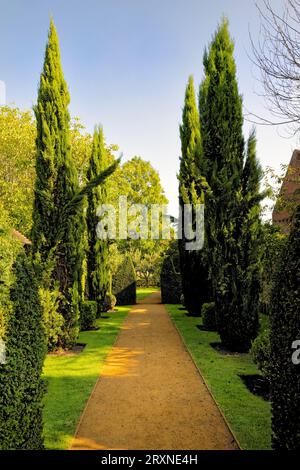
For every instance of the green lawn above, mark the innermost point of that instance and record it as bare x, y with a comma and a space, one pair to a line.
248, 415
143, 292
72, 378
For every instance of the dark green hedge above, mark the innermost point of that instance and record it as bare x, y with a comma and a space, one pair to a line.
195, 284
208, 313
170, 279
21, 386
285, 329
88, 314
261, 352
124, 283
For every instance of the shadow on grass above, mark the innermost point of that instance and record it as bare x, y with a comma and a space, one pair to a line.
221, 349
257, 385
203, 328
70, 379
192, 315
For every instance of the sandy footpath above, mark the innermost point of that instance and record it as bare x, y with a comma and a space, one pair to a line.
150, 394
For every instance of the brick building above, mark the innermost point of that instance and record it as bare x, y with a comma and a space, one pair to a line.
289, 194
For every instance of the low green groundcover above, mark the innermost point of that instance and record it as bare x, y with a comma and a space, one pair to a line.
71, 379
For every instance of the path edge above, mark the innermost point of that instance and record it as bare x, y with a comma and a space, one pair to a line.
205, 382
96, 384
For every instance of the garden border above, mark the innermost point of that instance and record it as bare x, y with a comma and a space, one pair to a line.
205, 382
96, 383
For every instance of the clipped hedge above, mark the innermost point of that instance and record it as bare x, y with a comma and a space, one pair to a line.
21, 386
170, 279
124, 283
108, 303
88, 314
208, 313
285, 329
261, 352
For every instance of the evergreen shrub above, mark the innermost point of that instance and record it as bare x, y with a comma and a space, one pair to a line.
21, 387
88, 314
208, 314
170, 279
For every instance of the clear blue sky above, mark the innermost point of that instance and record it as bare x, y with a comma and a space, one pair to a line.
127, 63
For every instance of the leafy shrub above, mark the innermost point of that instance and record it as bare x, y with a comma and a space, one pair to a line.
21, 386
261, 352
285, 329
53, 319
273, 243
109, 303
124, 283
8, 251
170, 279
88, 314
112, 301
148, 264
209, 316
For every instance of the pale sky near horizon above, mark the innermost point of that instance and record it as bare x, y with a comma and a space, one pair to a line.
127, 63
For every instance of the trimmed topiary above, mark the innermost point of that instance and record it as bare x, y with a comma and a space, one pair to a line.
285, 330
170, 279
108, 303
261, 353
21, 386
208, 313
88, 314
124, 283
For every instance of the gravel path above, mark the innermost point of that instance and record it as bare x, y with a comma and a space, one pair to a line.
150, 394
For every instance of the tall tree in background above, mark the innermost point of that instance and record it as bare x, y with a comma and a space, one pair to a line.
17, 150
98, 250
56, 185
140, 182
193, 270
277, 54
223, 149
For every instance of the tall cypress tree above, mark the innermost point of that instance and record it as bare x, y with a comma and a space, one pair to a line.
223, 154
250, 244
193, 269
98, 277
285, 332
56, 184
240, 322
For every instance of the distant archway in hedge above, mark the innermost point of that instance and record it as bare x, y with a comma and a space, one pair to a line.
170, 279
124, 283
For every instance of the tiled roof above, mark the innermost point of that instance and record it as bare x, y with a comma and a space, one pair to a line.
20, 237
